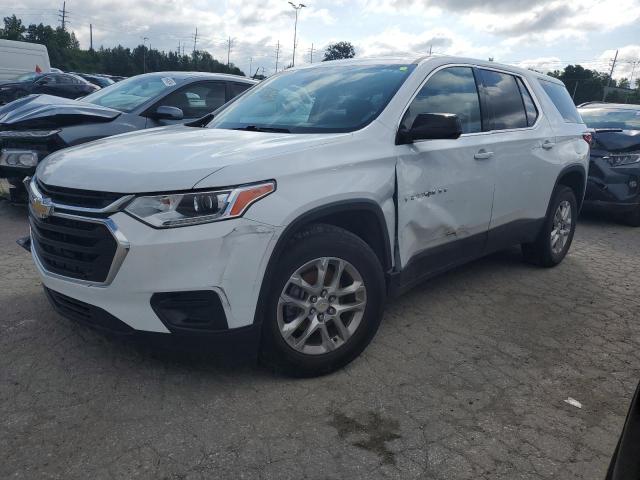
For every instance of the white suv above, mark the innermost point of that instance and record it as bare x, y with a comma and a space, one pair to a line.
283, 223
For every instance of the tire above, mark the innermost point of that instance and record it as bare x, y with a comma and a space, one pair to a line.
299, 302
632, 218
544, 251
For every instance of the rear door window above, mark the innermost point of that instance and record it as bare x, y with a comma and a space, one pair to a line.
529, 105
504, 100
562, 101
236, 89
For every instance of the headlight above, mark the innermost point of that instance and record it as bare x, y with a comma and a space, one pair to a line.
18, 158
182, 209
623, 159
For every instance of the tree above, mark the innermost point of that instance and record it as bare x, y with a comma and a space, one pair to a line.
13, 28
339, 50
65, 53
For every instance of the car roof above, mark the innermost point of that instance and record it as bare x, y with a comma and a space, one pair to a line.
418, 60
182, 76
605, 105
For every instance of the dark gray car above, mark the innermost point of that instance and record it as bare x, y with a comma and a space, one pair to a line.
35, 126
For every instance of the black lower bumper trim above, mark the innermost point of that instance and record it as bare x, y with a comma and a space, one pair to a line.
610, 207
237, 342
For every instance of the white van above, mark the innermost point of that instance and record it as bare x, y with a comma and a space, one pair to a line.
17, 58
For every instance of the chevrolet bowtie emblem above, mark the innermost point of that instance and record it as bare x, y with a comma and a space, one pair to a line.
41, 208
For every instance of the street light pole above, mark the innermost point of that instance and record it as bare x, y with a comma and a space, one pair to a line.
144, 54
295, 30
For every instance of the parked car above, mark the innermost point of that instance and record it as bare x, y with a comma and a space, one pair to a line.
18, 58
613, 185
625, 462
35, 126
98, 80
58, 84
285, 221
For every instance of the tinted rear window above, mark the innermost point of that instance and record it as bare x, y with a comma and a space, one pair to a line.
563, 102
504, 99
529, 106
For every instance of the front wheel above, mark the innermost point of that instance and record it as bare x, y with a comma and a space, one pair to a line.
325, 303
557, 232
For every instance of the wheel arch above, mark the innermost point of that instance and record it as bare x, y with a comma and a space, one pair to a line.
574, 177
362, 217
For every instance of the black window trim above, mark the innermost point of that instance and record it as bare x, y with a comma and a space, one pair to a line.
483, 104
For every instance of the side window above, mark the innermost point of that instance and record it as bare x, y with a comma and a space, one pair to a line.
529, 106
451, 90
197, 99
563, 102
236, 89
504, 100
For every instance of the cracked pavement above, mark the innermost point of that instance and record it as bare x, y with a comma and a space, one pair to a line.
466, 379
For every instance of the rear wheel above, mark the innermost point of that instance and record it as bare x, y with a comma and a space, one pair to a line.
325, 304
557, 232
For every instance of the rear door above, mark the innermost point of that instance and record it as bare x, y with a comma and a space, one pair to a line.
522, 156
445, 187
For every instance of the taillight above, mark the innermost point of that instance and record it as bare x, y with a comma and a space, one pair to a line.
587, 137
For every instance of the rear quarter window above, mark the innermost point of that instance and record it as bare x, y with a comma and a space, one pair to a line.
562, 101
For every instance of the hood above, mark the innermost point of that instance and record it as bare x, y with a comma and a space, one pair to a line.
48, 111
614, 140
168, 158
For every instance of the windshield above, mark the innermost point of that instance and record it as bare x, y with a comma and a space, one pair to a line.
625, 119
327, 99
129, 94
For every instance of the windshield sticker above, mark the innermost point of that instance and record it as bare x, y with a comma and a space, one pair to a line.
169, 82
404, 69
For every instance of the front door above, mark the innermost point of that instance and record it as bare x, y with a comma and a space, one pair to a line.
445, 187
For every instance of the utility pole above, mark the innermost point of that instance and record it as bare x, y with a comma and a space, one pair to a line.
430, 49
633, 71
195, 40
90, 36
62, 14
295, 30
575, 89
311, 53
277, 55
613, 66
250, 65
229, 52
144, 54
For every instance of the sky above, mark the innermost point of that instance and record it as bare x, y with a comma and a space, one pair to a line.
540, 34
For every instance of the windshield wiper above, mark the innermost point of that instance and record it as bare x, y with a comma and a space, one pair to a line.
255, 128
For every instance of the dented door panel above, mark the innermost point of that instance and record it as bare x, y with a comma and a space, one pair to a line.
444, 194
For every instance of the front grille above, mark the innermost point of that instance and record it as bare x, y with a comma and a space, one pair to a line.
85, 313
73, 248
78, 198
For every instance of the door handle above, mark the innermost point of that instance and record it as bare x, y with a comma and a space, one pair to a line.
483, 155
548, 144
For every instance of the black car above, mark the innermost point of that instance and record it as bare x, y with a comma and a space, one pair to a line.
59, 84
98, 80
37, 125
614, 171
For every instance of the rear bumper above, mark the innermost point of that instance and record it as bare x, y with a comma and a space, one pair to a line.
610, 207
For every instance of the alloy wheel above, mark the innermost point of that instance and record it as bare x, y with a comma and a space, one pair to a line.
321, 305
561, 230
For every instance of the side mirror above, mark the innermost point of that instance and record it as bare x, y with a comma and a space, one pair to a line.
165, 112
431, 126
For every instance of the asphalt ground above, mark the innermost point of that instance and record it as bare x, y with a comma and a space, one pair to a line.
466, 379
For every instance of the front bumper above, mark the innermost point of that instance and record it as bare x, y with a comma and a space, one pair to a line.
613, 189
227, 257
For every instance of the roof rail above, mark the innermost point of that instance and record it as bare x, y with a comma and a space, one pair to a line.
590, 103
